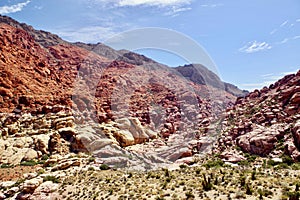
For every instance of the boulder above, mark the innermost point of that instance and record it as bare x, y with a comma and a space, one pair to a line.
65, 164
30, 185
45, 188
124, 137
30, 155
260, 141
134, 127
14, 155
232, 157
41, 143
295, 99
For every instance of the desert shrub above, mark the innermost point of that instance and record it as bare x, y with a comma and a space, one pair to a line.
182, 166
51, 178
206, 183
287, 159
249, 190
45, 157
189, 195
91, 159
29, 163
5, 166
253, 175
198, 170
214, 163
293, 195
243, 180
104, 167
295, 166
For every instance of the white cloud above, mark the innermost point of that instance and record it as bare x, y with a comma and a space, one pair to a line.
158, 3
255, 46
266, 80
298, 20
162, 3
212, 5
273, 31
13, 8
92, 34
175, 11
296, 37
285, 40
284, 23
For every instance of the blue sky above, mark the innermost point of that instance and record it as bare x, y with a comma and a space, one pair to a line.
252, 42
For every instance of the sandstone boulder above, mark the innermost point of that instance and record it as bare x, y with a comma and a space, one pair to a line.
65, 164
30, 185
30, 155
133, 126
260, 141
232, 157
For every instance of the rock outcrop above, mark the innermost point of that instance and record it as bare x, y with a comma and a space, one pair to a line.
266, 121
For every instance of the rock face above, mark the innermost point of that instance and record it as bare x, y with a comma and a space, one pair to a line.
266, 121
58, 97
201, 75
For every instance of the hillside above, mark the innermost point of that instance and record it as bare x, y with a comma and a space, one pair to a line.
114, 98
82, 121
266, 121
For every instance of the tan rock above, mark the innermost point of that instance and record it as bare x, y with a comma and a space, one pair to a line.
30, 185
124, 137
14, 155
41, 143
65, 164
64, 122
134, 126
30, 155
231, 157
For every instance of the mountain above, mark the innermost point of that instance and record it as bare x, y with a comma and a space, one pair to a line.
199, 74
66, 97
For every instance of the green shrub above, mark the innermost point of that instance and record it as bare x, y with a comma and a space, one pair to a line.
287, 159
249, 190
29, 163
295, 166
91, 169
206, 183
92, 159
182, 166
5, 166
51, 178
214, 163
45, 157
104, 167
293, 195
189, 195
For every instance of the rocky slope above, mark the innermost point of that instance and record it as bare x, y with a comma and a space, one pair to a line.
266, 121
104, 101
73, 110
199, 74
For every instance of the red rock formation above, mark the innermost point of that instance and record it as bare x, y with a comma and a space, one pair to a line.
264, 117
